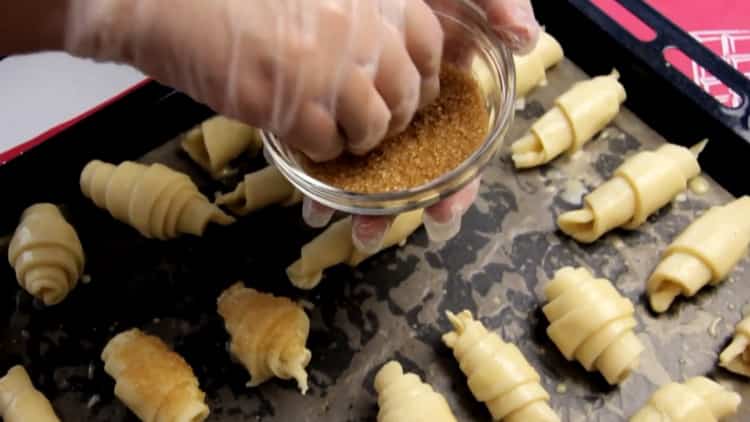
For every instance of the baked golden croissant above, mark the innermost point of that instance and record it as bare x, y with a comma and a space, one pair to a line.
591, 322
21, 402
268, 334
335, 246
405, 398
258, 190
697, 400
46, 254
156, 200
219, 140
498, 374
152, 380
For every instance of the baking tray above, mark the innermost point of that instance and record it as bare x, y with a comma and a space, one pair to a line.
391, 307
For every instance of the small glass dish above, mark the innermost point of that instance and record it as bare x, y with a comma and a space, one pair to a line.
470, 45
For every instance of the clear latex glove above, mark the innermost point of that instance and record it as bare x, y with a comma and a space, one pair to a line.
324, 75
513, 22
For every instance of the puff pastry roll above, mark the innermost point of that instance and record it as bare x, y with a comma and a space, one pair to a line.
259, 190
499, 375
156, 200
736, 357
403, 397
577, 116
21, 402
334, 246
46, 254
591, 322
152, 380
531, 69
219, 140
704, 253
268, 334
644, 183
697, 400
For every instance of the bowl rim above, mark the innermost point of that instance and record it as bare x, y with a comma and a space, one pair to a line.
394, 202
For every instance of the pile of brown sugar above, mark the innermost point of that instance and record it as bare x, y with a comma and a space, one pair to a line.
439, 139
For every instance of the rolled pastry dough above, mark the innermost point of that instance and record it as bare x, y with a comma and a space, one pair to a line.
577, 116
499, 375
591, 322
736, 357
531, 69
219, 140
704, 253
405, 398
334, 246
152, 380
158, 201
697, 400
644, 183
259, 190
46, 254
21, 402
268, 334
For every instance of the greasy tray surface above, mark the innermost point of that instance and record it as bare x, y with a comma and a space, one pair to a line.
390, 307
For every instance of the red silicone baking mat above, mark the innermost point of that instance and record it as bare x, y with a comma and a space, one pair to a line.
721, 25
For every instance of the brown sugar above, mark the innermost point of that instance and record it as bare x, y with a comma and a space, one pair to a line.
438, 140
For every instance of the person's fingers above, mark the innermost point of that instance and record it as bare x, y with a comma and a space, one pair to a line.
362, 113
443, 220
424, 41
368, 232
513, 22
315, 214
315, 133
397, 80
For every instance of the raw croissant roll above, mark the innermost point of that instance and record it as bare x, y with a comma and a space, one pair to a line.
499, 375
152, 380
219, 140
158, 201
704, 253
259, 190
578, 115
405, 398
591, 322
21, 402
531, 69
697, 400
46, 253
644, 183
736, 357
334, 246
268, 334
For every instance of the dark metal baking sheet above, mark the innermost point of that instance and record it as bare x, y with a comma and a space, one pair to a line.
391, 307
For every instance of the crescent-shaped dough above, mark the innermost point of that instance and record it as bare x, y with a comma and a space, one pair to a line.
577, 116
152, 380
531, 69
46, 254
156, 200
258, 190
697, 400
591, 322
334, 246
644, 183
268, 334
403, 397
21, 402
219, 140
703, 254
499, 375
736, 357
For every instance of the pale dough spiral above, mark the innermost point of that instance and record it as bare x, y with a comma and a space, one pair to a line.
219, 140
736, 356
697, 400
21, 402
405, 398
531, 69
258, 190
268, 334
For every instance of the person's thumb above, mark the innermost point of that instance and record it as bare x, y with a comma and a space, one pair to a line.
443, 220
368, 232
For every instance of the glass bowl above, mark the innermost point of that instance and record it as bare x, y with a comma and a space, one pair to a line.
470, 45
